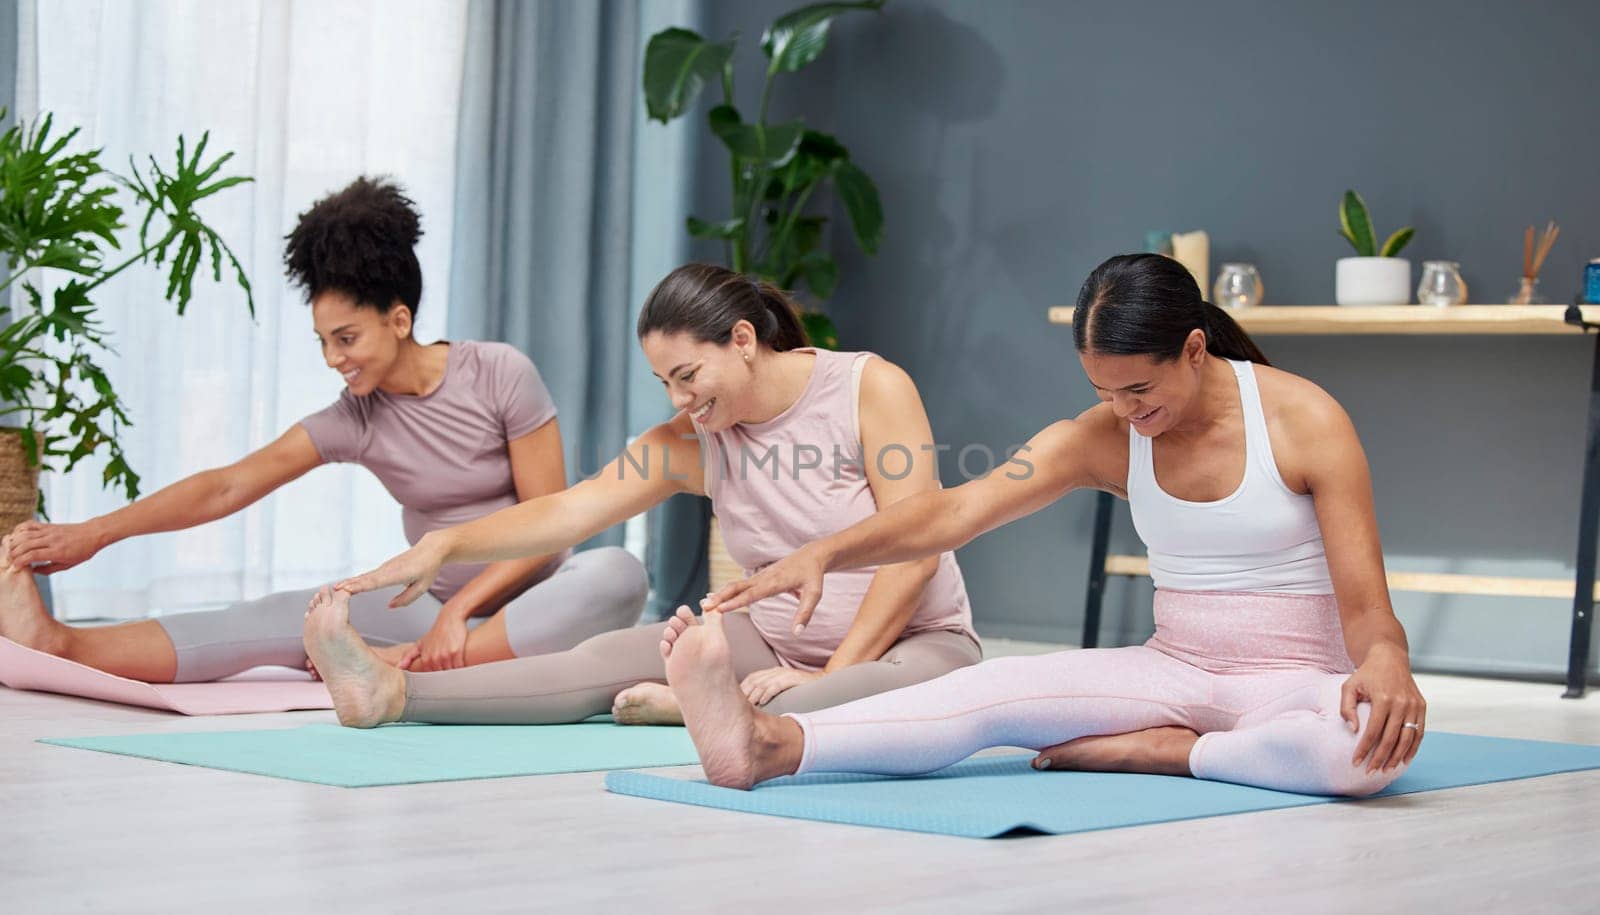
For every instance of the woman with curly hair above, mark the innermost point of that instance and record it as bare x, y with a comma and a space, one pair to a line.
454, 431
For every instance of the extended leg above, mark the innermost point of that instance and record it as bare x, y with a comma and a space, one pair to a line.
1028, 702
555, 688
914, 659
140, 650
192, 647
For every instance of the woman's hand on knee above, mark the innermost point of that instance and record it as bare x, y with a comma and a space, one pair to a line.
763, 686
1399, 712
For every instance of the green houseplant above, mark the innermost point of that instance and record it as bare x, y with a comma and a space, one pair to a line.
63, 236
775, 169
1375, 276
1355, 224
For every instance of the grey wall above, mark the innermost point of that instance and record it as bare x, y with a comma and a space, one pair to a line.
1018, 144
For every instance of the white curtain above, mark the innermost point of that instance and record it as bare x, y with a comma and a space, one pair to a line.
307, 95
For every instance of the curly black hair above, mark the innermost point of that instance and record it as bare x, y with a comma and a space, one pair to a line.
359, 241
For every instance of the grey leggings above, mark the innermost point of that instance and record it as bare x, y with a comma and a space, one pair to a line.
573, 685
592, 592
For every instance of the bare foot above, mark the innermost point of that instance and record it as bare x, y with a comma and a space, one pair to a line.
1157, 751
738, 744
647, 703
654, 703
366, 691
23, 617
676, 627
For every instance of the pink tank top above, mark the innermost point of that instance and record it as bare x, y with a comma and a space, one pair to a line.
778, 485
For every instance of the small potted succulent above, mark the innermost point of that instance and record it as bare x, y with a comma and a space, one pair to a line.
1375, 276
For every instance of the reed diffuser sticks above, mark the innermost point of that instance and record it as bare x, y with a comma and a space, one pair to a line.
1533, 255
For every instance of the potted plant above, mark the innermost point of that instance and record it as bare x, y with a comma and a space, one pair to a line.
775, 169
62, 238
1375, 276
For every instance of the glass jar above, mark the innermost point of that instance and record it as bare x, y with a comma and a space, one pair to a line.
1238, 286
1441, 284
1527, 292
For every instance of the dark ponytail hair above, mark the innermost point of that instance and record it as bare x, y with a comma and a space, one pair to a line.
1147, 305
706, 301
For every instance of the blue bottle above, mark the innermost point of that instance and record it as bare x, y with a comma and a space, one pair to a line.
1591, 282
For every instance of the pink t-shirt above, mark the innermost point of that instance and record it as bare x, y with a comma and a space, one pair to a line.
442, 455
778, 485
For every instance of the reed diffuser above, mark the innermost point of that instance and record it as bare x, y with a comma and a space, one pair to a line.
1533, 255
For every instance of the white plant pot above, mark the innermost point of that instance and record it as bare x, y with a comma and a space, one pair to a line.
1372, 281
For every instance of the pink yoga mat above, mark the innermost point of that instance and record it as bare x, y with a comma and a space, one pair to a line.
264, 689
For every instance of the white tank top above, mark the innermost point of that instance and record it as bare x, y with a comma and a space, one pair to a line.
1263, 537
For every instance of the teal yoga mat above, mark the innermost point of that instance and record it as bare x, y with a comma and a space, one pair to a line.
406, 754
993, 796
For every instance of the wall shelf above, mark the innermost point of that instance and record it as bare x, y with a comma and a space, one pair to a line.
1397, 319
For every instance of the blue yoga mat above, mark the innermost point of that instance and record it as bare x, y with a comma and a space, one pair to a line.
992, 796
406, 754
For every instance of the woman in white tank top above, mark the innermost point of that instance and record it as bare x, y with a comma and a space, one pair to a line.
1277, 659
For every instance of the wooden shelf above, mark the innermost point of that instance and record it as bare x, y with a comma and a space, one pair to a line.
1397, 319
1423, 582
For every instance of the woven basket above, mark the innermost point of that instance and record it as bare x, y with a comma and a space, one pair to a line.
723, 568
19, 481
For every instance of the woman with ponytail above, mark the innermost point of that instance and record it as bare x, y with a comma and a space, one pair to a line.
1277, 659
791, 444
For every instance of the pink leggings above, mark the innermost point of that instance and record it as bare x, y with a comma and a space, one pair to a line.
1258, 676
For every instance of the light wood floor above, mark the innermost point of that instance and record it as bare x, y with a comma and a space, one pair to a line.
89, 832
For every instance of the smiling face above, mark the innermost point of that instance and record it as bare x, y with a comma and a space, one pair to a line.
357, 341
1153, 396
709, 381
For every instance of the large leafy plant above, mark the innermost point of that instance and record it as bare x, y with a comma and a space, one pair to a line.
775, 169
60, 211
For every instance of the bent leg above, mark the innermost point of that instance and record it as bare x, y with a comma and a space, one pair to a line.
565, 686
595, 591
914, 659
1293, 741
1033, 702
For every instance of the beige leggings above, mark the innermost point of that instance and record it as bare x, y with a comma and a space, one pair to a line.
575, 684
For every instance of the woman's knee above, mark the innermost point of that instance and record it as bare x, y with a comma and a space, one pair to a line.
1342, 777
614, 579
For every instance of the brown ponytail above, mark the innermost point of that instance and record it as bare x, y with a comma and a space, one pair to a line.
785, 330
706, 300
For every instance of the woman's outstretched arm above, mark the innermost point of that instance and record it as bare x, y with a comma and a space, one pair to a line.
659, 464
190, 502
1067, 455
